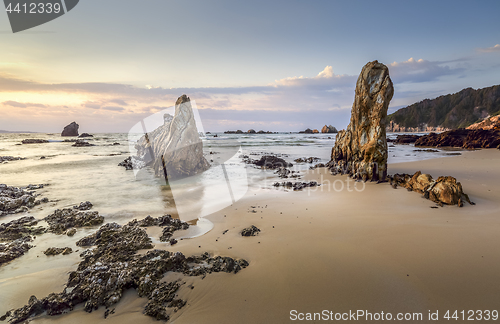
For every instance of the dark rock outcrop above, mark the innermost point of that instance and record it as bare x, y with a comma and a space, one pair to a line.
15, 249
112, 267
405, 139
361, 150
251, 131
15, 200
444, 190
464, 138
132, 163
63, 219
307, 131
70, 130
86, 135
34, 141
20, 228
250, 231
271, 162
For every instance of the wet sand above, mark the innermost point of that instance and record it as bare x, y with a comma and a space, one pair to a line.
377, 249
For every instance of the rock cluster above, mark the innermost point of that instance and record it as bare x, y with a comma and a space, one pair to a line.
444, 190
34, 141
296, 185
112, 267
10, 158
309, 131
329, 129
70, 130
175, 147
64, 219
268, 162
405, 139
361, 149
169, 224
15, 200
464, 138
311, 159
12, 250
250, 231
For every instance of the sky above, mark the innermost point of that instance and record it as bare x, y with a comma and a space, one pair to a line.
263, 65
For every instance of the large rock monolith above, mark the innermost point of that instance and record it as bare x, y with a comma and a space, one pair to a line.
175, 147
361, 149
70, 130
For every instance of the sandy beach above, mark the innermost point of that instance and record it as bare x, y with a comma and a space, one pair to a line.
374, 248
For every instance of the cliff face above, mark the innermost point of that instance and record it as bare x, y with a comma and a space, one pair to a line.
361, 149
451, 111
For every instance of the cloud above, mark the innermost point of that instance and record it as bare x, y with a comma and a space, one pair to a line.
495, 48
91, 105
17, 104
113, 108
416, 71
324, 80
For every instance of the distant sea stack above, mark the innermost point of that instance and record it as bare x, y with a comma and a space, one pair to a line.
70, 130
361, 149
176, 145
329, 129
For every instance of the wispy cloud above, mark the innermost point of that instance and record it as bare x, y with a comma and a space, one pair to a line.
416, 71
16, 104
495, 48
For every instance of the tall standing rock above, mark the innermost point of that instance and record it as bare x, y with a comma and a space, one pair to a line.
70, 130
176, 147
361, 149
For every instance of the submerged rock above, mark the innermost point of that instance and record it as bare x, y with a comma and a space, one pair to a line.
86, 135
57, 251
34, 141
271, 162
63, 219
70, 130
444, 190
175, 147
250, 231
82, 143
361, 149
405, 139
10, 158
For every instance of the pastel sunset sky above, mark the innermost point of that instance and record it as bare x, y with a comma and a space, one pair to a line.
271, 65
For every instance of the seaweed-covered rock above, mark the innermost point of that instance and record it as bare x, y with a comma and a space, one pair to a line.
12, 250
15, 200
444, 190
57, 251
250, 231
361, 149
20, 228
63, 219
112, 267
